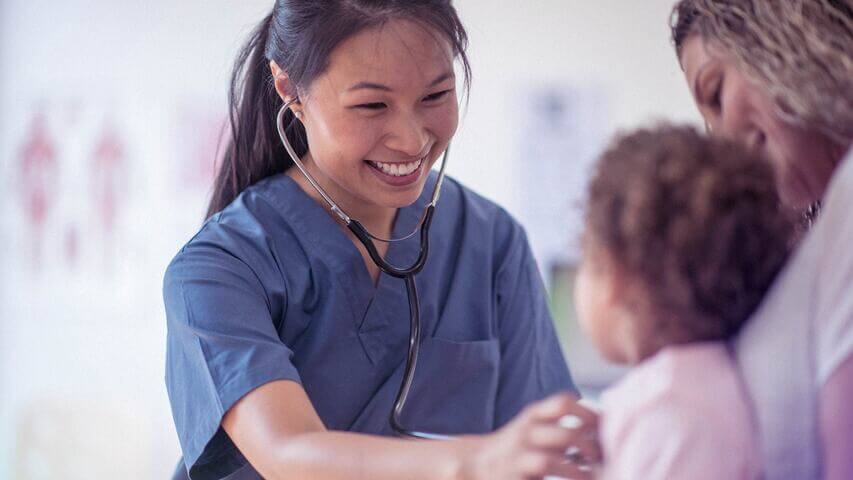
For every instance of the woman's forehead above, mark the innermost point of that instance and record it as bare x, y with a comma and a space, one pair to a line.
694, 55
397, 54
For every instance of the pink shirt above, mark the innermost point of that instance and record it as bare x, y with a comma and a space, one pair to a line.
682, 413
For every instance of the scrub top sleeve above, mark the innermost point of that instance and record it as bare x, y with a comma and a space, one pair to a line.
221, 344
532, 363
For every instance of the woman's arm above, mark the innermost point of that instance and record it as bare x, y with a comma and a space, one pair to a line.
836, 423
278, 431
532, 365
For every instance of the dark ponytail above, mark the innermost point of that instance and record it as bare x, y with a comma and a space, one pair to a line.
254, 150
299, 35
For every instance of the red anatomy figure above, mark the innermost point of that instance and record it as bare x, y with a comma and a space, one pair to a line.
38, 182
107, 172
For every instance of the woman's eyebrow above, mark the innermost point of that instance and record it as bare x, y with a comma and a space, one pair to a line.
444, 76
378, 86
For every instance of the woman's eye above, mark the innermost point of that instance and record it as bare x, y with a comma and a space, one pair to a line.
371, 106
436, 96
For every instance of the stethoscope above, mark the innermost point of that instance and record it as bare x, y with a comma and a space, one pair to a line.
407, 273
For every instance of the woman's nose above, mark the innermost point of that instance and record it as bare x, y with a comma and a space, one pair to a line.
408, 135
744, 131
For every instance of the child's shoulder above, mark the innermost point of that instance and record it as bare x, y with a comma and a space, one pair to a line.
677, 414
676, 374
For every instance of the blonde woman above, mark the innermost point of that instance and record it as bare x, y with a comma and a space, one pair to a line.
778, 75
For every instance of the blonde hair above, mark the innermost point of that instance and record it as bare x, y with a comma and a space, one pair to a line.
800, 51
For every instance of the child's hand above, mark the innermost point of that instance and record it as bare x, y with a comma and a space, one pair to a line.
534, 445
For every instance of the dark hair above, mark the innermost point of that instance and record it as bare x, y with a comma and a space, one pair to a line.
696, 220
299, 35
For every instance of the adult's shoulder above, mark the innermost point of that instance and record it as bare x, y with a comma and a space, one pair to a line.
804, 320
479, 214
833, 313
241, 233
839, 195
256, 209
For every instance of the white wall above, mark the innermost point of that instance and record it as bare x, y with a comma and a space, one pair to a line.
84, 338
622, 45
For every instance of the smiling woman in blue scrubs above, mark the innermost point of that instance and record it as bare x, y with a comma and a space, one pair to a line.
286, 344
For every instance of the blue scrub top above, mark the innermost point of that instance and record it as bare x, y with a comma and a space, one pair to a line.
271, 288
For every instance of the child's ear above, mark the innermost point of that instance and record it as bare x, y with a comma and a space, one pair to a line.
616, 287
629, 309
627, 293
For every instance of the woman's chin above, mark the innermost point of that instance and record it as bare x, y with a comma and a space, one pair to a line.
400, 200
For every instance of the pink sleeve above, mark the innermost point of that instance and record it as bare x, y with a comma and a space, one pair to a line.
663, 442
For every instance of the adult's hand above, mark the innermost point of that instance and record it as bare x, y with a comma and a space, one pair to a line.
535, 445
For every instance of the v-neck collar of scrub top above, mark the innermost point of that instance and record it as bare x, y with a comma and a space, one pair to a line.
380, 312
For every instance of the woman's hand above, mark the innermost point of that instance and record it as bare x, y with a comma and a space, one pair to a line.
277, 429
534, 444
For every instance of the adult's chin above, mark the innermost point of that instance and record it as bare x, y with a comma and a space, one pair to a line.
400, 199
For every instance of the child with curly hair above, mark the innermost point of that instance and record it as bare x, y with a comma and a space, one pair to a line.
684, 236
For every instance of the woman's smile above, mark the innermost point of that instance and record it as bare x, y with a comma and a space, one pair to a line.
398, 173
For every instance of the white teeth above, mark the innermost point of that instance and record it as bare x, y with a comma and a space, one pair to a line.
398, 169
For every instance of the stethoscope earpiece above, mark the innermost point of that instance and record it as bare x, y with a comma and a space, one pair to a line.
294, 101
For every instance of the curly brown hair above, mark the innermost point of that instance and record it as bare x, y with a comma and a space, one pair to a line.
696, 220
799, 51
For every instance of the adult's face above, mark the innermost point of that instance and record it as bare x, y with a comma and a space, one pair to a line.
737, 107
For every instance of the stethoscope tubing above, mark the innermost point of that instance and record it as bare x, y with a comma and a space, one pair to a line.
405, 273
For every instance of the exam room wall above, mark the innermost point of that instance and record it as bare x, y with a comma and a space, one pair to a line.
81, 336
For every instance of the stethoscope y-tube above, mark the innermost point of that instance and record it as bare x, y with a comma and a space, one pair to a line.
405, 273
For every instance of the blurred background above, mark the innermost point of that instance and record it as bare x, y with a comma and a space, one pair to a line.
110, 115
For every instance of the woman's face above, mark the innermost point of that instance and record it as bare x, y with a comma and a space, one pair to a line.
380, 115
737, 108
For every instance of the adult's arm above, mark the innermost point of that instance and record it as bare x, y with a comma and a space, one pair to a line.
276, 428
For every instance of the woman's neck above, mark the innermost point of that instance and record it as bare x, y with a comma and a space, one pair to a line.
377, 220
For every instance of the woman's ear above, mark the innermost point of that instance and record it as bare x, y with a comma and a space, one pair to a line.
285, 88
